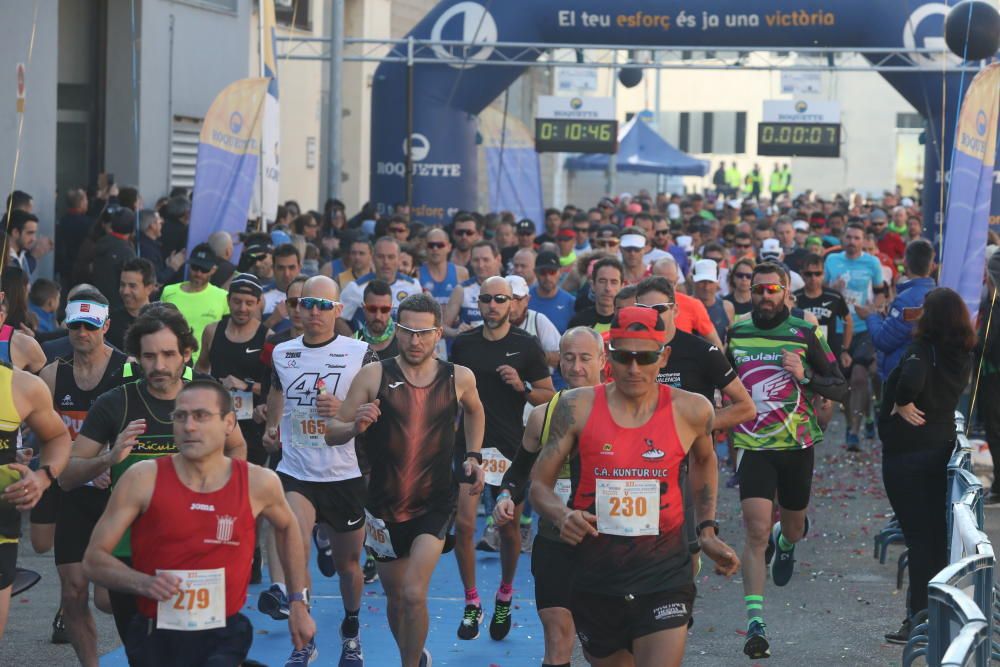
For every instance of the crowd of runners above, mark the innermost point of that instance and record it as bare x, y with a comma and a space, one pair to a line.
359, 391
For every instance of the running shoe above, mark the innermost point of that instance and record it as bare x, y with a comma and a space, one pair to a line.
24, 580
490, 540
783, 563
733, 481
274, 603
59, 634
369, 570
870, 429
902, 635
853, 442
304, 655
756, 646
469, 628
769, 551
500, 623
526, 537
425, 659
350, 652
324, 552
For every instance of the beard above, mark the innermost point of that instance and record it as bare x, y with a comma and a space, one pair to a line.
499, 322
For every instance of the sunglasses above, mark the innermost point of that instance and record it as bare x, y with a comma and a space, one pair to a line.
464, 232
436, 245
385, 310
257, 256
606, 244
879, 223
582, 230
767, 288
812, 274
75, 326
663, 232
643, 357
398, 230
742, 276
311, 302
742, 246
633, 249
198, 269
658, 307
292, 301
499, 298
526, 232
546, 272
419, 333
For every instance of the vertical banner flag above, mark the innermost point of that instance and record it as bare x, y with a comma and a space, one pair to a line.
228, 161
265, 198
963, 256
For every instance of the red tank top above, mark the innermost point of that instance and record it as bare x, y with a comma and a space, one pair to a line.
618, 565
187, 530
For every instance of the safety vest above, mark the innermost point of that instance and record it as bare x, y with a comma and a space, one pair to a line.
733, 177
777, 182
786, 180
754, 179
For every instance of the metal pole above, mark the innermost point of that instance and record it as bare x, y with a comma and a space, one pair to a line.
261, 221
659, 130
613, 158
409, 123
334, 111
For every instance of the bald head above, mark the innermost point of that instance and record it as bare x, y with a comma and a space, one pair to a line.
666, 267
496, 285
322, 287
437, 234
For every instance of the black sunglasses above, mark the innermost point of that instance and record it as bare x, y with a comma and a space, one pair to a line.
499, 298
812, 274
464, 232
77, 325
642, 357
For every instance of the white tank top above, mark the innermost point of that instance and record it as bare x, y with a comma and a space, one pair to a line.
299, 367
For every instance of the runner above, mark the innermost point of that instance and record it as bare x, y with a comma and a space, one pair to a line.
16, 347
379, 329
75, 383
311, 376
131, 423
191, 517
633, 590
784, 363
386, 269
406, 408
462, 312
581, 360
510, 371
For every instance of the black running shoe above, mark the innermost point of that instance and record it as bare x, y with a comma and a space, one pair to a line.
756, 646
500, 623
24, 580
902, 635
324, 553
59, 634
783, 563
274, 603
469, 628
369, 570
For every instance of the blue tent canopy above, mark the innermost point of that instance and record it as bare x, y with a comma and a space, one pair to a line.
642, 151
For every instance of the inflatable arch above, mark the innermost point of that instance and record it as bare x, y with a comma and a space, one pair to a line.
446, 96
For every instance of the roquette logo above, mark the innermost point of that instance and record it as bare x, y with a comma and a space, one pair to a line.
981, 122
575, 103
467, 22
924, 29
801, 106
236, 122
421, 146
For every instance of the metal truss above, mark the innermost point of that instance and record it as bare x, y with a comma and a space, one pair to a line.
411, 51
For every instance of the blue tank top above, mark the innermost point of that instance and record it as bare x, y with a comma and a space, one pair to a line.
441, 291
717, 313
6, 333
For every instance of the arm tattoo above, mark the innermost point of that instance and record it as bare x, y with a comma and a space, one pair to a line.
563, 419
706, 500
710, 422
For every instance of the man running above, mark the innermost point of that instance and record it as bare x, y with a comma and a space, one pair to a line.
784, 363
379, 328
633, 589
75, 384
462, 312
191, 517
311, 376
131, 422
16, 347
510, 371
581, 359
406, 407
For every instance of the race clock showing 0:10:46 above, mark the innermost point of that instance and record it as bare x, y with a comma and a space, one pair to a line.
798, 139
571, 135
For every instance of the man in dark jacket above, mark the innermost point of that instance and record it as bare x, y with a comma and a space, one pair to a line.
150, 230
113, 250
176, 216
892, 333
70, 233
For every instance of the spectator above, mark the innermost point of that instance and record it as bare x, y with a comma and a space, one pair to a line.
197, 298
306, 227
914, 228
176, 217
917, 428
136, 285
70, 233
222, 245
22, 233
112, 251
43, 302
310, 262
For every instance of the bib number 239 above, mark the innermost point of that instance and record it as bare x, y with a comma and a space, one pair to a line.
199, 605
630, 508
495, 465
377, 536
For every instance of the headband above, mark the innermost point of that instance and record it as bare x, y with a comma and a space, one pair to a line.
88, 312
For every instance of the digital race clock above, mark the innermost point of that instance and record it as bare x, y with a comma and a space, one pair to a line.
799, 139
575, 135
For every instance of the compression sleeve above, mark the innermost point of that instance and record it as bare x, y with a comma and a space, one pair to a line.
827, 380
515, 480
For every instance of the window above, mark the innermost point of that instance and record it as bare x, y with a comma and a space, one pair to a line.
184, 151
230, 6
293, 13
909, 121
705, 131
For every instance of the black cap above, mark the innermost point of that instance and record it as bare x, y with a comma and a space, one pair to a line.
257, 247
547, 260
123, 221
202, 257
608, 230
245, 283
525, 227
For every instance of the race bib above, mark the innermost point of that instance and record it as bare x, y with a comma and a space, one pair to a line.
308, 429
243, 404
564, 489
199, 605
824, 330
628, 507
495, 465
377, 536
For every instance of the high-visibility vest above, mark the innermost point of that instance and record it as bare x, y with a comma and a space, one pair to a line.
786, 183
733, 177
777, 185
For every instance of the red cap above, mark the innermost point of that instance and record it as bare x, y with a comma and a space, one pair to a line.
639, 324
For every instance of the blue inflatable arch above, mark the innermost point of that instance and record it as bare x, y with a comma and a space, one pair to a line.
447, 96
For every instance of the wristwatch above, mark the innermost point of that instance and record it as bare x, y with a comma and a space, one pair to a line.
806, 378
527, 388
250, 382
48, 471
705, 524
299, 597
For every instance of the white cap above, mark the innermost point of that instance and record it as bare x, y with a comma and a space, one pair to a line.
801, 226
770, 249
735, 203
705, 269
632, 240
907, 202
518, 286
796, 282
673, 211
685, 242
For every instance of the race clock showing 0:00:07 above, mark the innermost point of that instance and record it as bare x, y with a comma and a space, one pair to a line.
798, 139
572, 135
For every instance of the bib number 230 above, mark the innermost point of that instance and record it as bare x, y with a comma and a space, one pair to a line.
630, 508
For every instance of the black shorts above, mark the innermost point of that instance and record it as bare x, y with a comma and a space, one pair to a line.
862, 351
47, 509
340, 504
146, 646
403, 534
607, 624
253, 433
78, 513
552, 567
786, 472
8, 564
